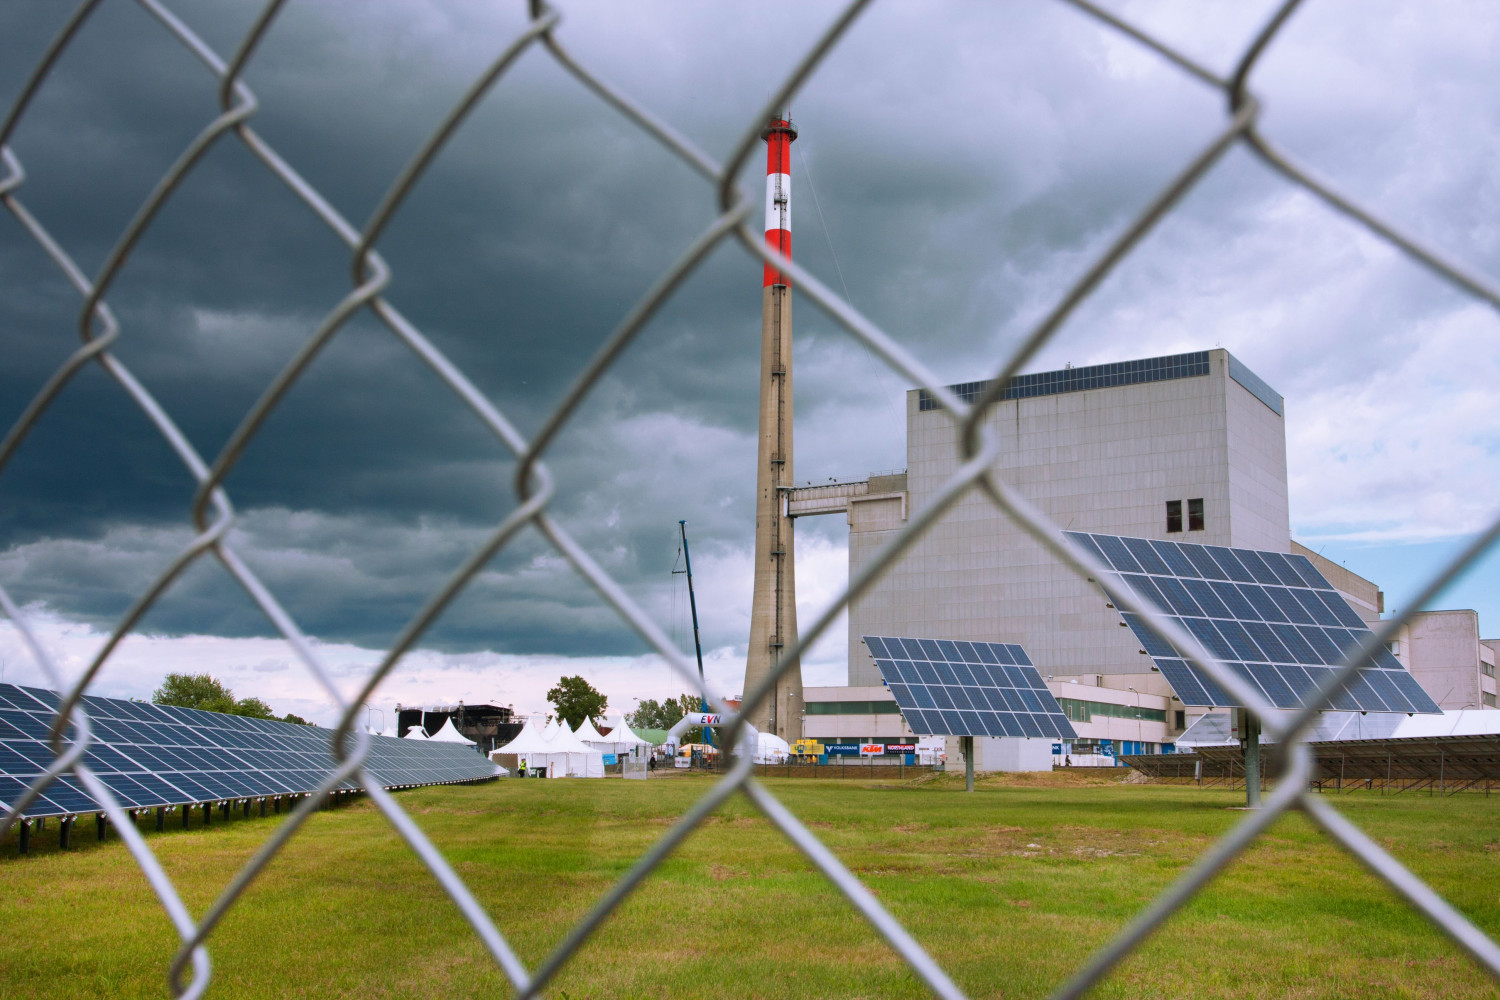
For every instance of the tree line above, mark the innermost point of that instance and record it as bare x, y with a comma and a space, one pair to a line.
206, 692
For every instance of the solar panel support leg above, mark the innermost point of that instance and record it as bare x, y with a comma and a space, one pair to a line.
968, 745
276, 805
1252, 760
187, 812
262, 808
161, 818
99, 826
23, 837
208, 814
64, 832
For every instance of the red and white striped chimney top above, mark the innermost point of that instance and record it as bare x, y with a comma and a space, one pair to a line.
779, 135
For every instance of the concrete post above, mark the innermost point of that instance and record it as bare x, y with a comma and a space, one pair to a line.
1251, 739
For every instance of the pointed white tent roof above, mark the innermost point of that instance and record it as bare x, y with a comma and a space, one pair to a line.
450, 734
563, 741
588, 733
416, 733
528, 741
621, 733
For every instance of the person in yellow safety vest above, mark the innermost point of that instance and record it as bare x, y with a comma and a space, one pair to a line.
522, 771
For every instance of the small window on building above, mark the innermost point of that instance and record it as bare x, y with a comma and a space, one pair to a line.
1174, 516
1393, 647
1195, 514
1488, 668
1489, 700
1180, 718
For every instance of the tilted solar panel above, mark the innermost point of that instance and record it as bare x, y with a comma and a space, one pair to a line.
957, 688
1270, 617
155, 755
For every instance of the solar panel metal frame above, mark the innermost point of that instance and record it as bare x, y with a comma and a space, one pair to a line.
946, 687
1270, 617
156, 755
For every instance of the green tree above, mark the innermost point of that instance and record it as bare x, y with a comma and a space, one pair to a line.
195, 691
299, 720
652, 714
206, 692
576, 699
254, 708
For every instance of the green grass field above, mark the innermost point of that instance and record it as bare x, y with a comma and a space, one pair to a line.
1009, 888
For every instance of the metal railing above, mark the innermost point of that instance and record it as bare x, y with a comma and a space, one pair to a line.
729, 217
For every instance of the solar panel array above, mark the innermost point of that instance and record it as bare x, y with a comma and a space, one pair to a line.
959, 688
1270, 617
157, 755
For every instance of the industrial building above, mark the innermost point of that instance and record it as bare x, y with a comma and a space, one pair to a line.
1188, 447
1443, 650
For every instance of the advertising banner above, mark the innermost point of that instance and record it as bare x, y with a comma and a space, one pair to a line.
871, 749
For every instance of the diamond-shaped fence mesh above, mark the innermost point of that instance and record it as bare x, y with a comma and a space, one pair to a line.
728, 218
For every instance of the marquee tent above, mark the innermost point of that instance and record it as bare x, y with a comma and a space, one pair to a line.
771, 749
532, 746
621, 736
416, 733
581, 760
588, 734
450, 734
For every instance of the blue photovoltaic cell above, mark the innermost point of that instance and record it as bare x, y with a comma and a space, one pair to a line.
970, 689
152, 755
1270, 617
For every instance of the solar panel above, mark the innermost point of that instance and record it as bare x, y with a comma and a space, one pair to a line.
1270, 617
953, 688
156, 755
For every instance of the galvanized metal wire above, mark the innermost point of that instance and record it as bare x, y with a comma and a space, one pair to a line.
728, 216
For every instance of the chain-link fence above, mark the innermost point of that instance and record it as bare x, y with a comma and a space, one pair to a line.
729, 218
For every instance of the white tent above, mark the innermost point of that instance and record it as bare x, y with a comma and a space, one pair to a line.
583, 761
450, 734
416, 733
621, 736
771, 749
532, 746
588, 733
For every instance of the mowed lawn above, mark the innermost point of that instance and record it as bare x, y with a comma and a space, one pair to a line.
1010, 889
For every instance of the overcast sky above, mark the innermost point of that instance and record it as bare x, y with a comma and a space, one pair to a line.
958, 166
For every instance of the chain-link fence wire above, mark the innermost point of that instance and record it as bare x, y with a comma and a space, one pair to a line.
190, 972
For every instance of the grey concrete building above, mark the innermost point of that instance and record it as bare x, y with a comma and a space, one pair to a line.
1444, 652
1189, 446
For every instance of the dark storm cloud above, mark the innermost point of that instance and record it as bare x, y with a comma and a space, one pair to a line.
966, 168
